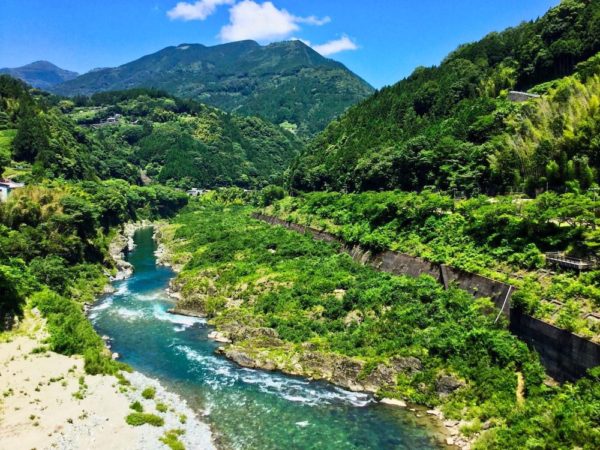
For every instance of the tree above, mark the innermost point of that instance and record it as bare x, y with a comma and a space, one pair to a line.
11, 300
31, 138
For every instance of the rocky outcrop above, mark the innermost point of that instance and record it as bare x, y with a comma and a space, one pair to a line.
186, 312
447, 384
117, 250
261, 348
406, 364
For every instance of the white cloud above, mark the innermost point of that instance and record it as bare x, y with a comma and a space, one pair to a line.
313, 20
262, 22
335, 46
199, 10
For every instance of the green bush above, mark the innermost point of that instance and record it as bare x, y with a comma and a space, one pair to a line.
171, 439
137, 419
137, 406
161, 407
149, 393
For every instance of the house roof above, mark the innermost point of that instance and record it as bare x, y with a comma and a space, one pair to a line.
11, 184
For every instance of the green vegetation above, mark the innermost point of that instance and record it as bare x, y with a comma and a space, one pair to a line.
54, 233
157, 137
137, 419
453, 128
149, 393
44, 138
161, 407
281, 82
500, 237
250, 277
137, 407
171, 439
71, 333
182, 142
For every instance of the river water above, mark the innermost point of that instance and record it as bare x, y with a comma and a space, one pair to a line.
247, 409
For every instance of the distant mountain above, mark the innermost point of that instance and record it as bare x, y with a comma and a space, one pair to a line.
281, 82
41, 74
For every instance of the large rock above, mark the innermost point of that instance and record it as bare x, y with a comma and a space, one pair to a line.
406, 364
447, 384
346, 372
268, 336
382, 376
239, 356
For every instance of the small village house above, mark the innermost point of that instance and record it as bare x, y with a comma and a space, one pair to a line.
6, 187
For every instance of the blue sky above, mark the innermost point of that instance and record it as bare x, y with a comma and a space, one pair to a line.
381, 40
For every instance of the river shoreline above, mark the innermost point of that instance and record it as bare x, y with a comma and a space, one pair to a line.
49, 401
448, 430
197, 433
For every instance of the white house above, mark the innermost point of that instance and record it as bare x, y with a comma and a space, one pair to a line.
195, 192
6, 186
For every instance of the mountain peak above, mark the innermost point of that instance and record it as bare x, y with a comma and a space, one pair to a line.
41, 74
282, 82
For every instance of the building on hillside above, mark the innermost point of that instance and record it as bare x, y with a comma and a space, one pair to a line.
195, 192
559, 259
6, 187
516, 96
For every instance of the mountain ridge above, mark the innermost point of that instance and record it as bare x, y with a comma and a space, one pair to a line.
451, 126
281, 82
40, 74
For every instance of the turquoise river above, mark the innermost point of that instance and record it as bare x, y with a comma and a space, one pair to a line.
247, 409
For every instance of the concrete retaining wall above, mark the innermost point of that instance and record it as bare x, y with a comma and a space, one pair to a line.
565, 355
403, 264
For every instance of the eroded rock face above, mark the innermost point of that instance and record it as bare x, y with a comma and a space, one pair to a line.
268, 336
238, 356
382, 376
447, 384
346, 373
406, 364
316, 364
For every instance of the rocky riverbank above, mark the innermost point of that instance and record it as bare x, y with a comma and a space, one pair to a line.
253, 346
261, 348
121, 245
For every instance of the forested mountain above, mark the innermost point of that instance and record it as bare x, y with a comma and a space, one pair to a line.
124, 134
40, 74
41, 140
281, 82
182, 142
453, 126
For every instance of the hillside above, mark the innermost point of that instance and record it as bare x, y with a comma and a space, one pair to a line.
185, 143
452, 127
129, 133
40, 74
281, 82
